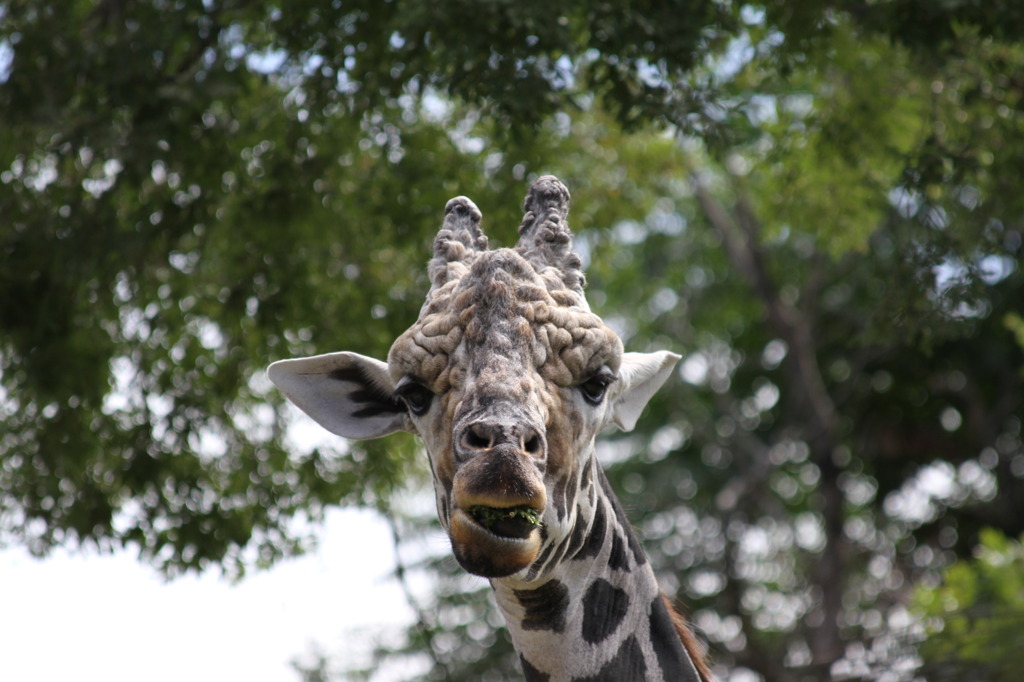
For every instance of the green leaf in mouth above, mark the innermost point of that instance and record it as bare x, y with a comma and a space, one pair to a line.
494, 518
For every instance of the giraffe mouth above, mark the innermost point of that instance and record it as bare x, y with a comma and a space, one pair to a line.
497, 502
495, 542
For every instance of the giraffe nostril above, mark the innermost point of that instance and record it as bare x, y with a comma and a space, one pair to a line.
477, 438
533, 445
483, 436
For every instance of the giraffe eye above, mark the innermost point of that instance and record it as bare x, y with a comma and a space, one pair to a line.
416, 397
594, 388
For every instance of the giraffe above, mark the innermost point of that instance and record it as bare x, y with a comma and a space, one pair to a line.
507, 377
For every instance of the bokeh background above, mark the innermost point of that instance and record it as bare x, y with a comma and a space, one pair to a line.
819, 204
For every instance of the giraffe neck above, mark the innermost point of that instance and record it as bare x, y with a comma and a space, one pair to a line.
597, 613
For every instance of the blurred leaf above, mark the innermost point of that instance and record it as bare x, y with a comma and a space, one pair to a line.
975, 616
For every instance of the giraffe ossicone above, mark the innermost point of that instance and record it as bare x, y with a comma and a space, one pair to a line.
507, 377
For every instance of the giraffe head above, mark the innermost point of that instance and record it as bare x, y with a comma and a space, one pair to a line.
507, 376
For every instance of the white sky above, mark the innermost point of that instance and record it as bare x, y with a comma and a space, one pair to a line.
111, 618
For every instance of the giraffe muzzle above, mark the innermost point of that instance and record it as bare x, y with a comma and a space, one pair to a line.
486, 551
499, 500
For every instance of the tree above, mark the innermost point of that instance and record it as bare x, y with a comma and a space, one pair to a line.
173, 218
847, 304
973, 618
818, 204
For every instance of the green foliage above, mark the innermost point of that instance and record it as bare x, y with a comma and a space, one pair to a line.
835, 150
489, 516
173, 218
818, 203
975, 616
1015, 323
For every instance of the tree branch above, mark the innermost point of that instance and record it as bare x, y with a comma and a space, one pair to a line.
740, 230
423, 625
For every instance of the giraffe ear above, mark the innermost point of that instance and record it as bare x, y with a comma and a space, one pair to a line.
346, 393
640, 376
